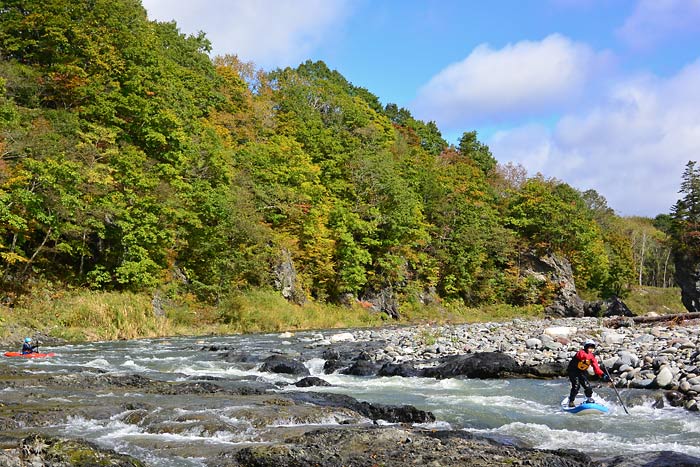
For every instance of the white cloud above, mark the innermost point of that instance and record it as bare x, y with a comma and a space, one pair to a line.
631, 148
270, 33
655, 20
522, 79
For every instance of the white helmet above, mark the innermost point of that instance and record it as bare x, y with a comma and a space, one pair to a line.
589, 343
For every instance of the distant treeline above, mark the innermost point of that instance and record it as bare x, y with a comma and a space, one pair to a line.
131, 160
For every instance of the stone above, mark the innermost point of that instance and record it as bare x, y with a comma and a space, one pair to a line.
612, 338
560, 331
664, 378
628, 358
342, 337
533, 343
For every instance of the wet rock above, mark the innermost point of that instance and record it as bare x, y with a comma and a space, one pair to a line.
331, 366
482, 365
236, 356
546, 370
397, 447
675, 398
399, 369
311, 381
39, 450
653, 459
389, 413
362, 366
280, 364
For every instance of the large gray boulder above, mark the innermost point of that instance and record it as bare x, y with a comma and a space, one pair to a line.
483, 365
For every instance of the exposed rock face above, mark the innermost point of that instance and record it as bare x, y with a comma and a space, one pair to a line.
688, 278
286, 279
384, 301
557, 271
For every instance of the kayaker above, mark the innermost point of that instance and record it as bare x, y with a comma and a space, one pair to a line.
578, 372
27, 347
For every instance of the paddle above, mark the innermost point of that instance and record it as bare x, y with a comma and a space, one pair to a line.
618, 394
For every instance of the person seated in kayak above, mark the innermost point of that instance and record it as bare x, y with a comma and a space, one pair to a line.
578, 372
28, 347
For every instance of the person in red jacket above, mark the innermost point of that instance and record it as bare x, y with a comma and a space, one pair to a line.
578, 372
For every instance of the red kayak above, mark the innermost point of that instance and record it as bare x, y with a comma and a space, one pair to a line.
29, 355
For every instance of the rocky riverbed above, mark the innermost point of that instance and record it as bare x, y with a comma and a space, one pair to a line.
46, 413
642, 357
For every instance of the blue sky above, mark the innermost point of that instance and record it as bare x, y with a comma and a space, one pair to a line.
601, 94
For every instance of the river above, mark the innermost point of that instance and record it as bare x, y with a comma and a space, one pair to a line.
522, 411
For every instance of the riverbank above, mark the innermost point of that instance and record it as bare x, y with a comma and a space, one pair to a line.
660, 356
81, 315
84, 316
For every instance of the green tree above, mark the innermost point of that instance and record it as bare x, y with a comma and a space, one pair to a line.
471, 147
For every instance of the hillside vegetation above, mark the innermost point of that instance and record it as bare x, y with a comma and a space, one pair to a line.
133, 165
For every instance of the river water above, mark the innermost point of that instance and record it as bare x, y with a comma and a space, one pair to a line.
524, 411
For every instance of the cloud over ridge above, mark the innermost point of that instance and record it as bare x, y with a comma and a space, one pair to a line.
632, 146
524, 78
270, 33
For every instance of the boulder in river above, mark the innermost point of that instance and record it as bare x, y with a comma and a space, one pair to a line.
482, 365
280, 364
310, 381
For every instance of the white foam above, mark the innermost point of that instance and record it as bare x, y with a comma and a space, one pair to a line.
592, 442
315, 366
134, 366
100, 363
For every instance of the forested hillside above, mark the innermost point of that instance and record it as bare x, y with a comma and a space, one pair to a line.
130, 160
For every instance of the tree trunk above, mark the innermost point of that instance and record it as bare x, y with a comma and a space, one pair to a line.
668, 255
677, 318
641, 259
36, 252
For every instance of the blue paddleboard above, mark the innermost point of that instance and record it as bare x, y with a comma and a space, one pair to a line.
582, 407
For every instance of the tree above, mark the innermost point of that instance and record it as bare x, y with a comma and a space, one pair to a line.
471, 147
552, 217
